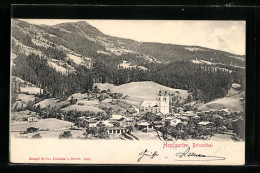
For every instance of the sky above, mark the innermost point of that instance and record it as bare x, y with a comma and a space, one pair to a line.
223, 35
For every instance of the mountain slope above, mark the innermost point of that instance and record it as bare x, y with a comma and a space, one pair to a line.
82, 39
69, 57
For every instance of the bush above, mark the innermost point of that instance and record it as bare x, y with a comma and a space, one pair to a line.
36, 136
66, 135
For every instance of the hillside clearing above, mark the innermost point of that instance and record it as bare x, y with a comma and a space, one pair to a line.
83, 108
25, 98
147, 90
234, 104
52, 102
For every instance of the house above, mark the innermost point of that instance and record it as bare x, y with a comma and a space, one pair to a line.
61, 117
107, 123
90, 119
145, 126
133, 109
115, 132
92, 124
225, 111
216, 116
177, 115
132, 112
173, 121
180, 110
120, 119
205, 124
184, 123
103, 94
32, 119
116, 117
82, 121
129, 122
158, 124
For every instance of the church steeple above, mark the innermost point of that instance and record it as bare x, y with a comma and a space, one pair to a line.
164, 101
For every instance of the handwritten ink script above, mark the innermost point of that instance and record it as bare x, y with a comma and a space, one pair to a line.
147, 153
187, 155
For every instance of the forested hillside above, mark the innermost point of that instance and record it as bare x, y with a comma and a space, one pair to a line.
68, 58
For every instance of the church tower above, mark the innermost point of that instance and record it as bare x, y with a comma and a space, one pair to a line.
164, 102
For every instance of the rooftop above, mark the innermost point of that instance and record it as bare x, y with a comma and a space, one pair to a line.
150, 103
204, 123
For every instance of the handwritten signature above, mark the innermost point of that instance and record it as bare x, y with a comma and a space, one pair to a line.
147, 153
187, 155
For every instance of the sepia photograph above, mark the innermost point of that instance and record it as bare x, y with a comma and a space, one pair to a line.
85, 91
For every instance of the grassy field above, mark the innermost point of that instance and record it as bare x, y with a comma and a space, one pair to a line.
42, 124
50, 134
52, 102
83, 108
147, 90
230, 101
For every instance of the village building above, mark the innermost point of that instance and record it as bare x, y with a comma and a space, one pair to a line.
180, 110
133, 109
32, 119
90, 119
107, 123
158, 124
61, 117
92, 124
129, 122
205, 124
82, 121
177, 115
145, 126
115, 132
103, 94
173, 121
161, 104
225, 111
120, 120
132, 112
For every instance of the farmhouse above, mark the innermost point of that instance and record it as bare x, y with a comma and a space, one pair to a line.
161, 104
145, 126
115, 132
173, 121
32, 119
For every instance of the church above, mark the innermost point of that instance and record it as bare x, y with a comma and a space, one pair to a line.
160, 105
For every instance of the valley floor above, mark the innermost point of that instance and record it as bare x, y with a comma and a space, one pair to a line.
52, 128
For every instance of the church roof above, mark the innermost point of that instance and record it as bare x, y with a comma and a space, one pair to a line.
150, 103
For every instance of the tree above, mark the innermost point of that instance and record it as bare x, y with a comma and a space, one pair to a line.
149, 116
30, 105
239, 128
38, 109
167, 123
164, 131
129, 129
73, 101
102, 133
92, 130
